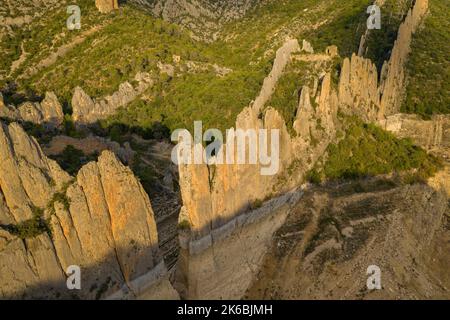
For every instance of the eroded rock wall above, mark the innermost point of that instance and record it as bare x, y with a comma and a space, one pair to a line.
100, 220
48, 112
215, 196
373, 96
432, 135
105, 6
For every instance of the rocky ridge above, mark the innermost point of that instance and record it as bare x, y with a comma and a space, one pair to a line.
213, 198
100, 220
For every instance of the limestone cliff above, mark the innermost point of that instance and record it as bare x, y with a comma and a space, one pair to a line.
105, 6
371, 95
215, 197
101, 221
432, 135
48, 112
87, 110
392, 78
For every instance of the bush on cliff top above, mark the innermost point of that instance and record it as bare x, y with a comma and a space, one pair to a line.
367, 150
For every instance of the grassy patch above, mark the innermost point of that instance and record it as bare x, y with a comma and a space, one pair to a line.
30, 228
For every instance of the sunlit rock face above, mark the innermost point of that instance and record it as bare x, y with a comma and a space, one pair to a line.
105, 6
101, 220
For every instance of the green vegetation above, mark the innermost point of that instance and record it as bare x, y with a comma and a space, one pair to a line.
72, 159
184, 225
285, 99
368, 150
131, 41
31, 228
379, 42
258, 203
428, 89
345, 30
60, 197
44, 35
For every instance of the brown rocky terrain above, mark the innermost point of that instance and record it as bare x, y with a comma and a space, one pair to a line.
105, 6
335, 233
225, 231
48, 112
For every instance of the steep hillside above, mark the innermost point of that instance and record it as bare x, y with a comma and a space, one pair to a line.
327, 243
204, 18
428, 90
100, 220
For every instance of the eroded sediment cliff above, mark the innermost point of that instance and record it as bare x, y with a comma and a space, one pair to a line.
101, 220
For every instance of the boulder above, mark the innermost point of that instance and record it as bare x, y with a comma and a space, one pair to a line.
105, 6
101, 220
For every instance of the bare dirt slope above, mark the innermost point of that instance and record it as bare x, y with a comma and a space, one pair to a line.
327, 243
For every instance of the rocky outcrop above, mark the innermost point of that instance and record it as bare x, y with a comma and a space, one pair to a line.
330, 239
90, 145
282, 58
105, 6
307, 47
48, 112
359, 89
215, 197
87, 110
101, 221
392, 76
432, 135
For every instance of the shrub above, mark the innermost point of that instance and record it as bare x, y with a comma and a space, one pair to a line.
184, 225
31, 228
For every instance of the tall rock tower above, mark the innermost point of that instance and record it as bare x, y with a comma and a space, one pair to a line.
105, 6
